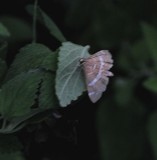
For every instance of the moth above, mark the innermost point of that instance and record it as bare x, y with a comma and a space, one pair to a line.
96, 71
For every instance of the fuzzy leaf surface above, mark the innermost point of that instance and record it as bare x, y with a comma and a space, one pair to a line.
30, 57
69, 79
47, 97
18, 94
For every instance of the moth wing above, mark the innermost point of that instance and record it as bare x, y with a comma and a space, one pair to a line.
105, 54
95, 97
91, 71
95, 92
96, 72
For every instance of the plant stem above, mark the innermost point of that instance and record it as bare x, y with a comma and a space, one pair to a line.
34, 21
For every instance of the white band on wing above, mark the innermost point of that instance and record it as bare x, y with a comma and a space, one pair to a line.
99, 73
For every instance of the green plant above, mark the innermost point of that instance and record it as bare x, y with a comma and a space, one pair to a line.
42, 82
30, 84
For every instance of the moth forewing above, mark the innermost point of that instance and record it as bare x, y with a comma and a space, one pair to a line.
94, 97
96, 73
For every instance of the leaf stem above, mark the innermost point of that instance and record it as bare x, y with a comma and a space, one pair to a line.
34, 21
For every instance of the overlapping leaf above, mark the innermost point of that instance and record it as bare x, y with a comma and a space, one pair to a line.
18, 94
30, 57
69, 78
47, 97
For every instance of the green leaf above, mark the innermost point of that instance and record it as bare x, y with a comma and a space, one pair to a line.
12, 156
19, 29
16, 123
69, 79
4, 33
30, 57
152, 132
121, 133
151, 84
130, 54
150, 35
47, 97
48, 22
140, 52
124, 91
17, 95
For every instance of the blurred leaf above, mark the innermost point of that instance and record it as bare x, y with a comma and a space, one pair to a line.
140, 52
152, 132
48, 22
19, 29
50, 61
135, 59
12, 156
30, 57
151, 84
150, 35
69, 78
3, 49
121, 133
47, 97
14, 124
17, 95
124, 91
4, 33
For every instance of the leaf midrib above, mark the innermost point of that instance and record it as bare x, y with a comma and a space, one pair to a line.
83, 51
